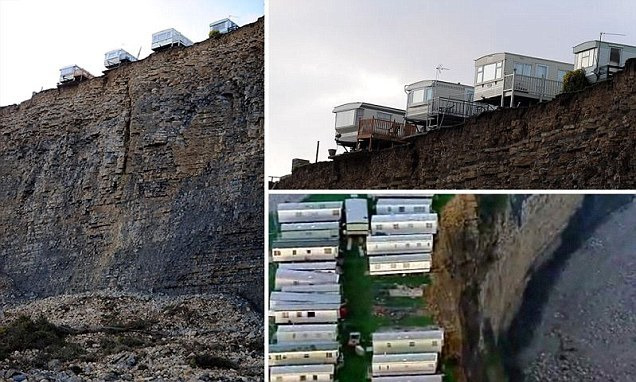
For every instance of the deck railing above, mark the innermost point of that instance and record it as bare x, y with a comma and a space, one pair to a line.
383, 129
456, 108
542, 88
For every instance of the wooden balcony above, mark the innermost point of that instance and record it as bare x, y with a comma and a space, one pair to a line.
384, 130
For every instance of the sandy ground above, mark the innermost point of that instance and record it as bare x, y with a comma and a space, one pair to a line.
587, 330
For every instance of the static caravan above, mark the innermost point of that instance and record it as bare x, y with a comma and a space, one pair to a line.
319, 373
399, 264
116, 57
406, 224
349, 115
306, 333
291, 313
309, 212
399, 244
305, 298
408, 341
357, 217
223, 26
403, 206
311, 226
167, 38
303, 353
319, 266
410, 378
305, 250
404, 364
315, 288
73, 73
313, 230
508, 79
310, 235
287, 277
601, 59
433, 103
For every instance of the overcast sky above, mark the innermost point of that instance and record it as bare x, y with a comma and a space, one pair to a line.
326, 53
38, 37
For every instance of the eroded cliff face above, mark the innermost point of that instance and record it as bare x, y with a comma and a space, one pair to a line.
582, 140
147, 178
485, 253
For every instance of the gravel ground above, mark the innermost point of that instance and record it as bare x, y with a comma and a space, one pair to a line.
176, 330
588, 326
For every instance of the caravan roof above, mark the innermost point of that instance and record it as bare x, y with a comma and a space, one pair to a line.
406, 334
357, 211
313, 226
306, 243
365, 105
308, 206
303, 346
404, 217
400, 258
409, 357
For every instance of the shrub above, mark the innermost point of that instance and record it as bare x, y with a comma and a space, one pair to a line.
214, 34
24, 333
207, 361
575, 80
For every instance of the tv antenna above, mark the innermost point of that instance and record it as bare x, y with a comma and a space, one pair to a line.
138, 53
438, 71
600, 38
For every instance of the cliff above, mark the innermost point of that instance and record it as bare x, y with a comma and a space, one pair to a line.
581, 140
148, 178
486, 254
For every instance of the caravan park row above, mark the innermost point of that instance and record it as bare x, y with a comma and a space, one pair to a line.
346, 300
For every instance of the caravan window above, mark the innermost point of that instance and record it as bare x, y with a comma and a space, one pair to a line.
586, 58
311, 314
383, 116
417, 96
327, 251
498, 69
489, 72
303, 377
523, 69
480, 75
561, 74
429, 94
542, 71
615, 56
345, 118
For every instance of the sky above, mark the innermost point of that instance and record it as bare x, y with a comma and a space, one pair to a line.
325, 53
37, 37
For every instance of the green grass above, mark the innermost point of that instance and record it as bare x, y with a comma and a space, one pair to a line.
439, 201
273, 227
406, 280
358, 292
448, 369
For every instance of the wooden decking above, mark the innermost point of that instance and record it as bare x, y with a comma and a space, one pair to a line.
382, 132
